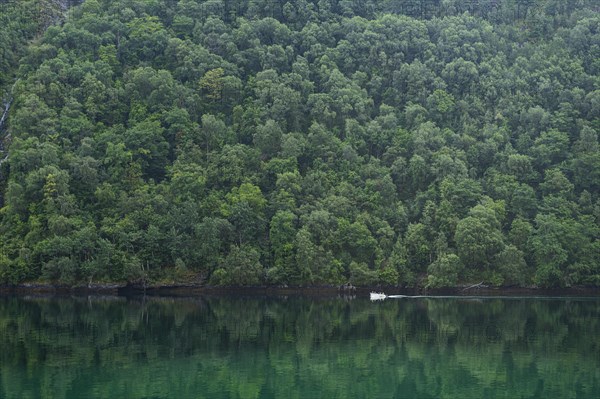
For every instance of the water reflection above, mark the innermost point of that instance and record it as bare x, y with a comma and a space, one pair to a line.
225, 347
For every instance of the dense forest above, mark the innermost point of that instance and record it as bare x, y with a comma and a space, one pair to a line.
248, 142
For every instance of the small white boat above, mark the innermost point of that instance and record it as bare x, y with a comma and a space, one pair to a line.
378, 296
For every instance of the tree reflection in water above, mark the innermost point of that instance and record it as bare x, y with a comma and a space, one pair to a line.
228, 347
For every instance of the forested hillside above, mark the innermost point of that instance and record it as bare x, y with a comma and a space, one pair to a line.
250, 142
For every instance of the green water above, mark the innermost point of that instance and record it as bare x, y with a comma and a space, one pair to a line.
231, 347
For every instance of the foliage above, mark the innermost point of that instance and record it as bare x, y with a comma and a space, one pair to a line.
320, 142
444, 271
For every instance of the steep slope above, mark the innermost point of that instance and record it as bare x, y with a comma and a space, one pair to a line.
307, 143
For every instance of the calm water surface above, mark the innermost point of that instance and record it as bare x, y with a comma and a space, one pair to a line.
231, 347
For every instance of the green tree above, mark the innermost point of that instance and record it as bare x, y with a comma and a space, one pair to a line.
241, 267
282, 235
478, 238
444, 272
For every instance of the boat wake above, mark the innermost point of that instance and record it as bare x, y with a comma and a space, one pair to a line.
380, 296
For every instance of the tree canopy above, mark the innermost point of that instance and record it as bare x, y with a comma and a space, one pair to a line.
311, 142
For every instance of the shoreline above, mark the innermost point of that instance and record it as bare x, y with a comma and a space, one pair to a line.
188, 290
